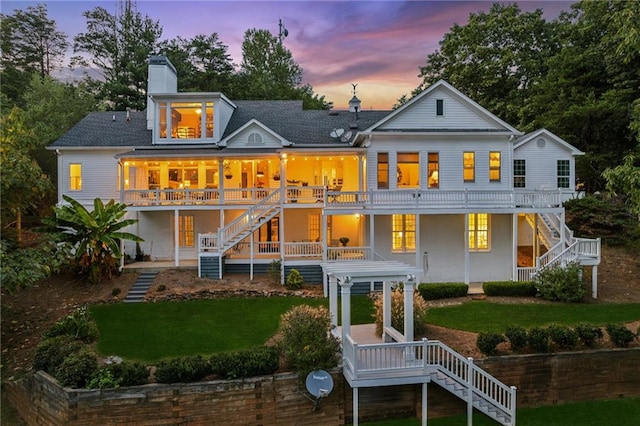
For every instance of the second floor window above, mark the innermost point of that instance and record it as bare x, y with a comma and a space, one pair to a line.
185, 120
75, 177
408, 172
434, 170
563, 174
383, 170
469, 166
403, 233
519, 174
494, 166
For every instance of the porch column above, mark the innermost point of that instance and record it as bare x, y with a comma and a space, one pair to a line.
251, 255
323, 238
424, 404
372, 236
408, 307
333, 300
345, 293
386, 309
466, 248
594, 281
176, 237
355, 406
281, 238
418, 242
514, 232
536, 243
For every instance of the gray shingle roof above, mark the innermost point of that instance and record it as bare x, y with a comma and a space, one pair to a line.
287, 118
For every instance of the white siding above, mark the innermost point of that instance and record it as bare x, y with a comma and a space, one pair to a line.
442, 236
223, 114
241, 140
99, 174
541, 164
496, 264
458, 114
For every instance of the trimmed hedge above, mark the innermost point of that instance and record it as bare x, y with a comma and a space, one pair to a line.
183, 369
434, 291
510, 288
258, 361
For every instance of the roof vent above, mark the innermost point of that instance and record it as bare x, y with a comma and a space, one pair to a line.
353, 125
331, 112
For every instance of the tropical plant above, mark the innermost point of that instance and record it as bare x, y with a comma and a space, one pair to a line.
95, 235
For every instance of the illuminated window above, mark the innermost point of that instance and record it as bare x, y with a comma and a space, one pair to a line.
519, 174
185, 120
186, 233
383, 170
478, 232
403, 233
434, 170
469, 166
314, 226
183, 177
75, 177
408, 172
563, 173
494, 166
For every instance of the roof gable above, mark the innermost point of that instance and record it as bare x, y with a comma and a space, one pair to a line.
542, 136
254, 134
460, 113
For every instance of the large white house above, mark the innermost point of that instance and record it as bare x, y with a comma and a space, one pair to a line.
440, 184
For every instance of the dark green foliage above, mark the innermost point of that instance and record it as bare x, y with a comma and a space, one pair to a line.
538, 339
50, 353
620, 335
77, 370
103, 379
77, 324
588, 333
258, 361
488, 342
294, 280
509, 288
517, 336
433, 291
183, 370
563, 336
129, 373
561, 283
274, 271
598, 216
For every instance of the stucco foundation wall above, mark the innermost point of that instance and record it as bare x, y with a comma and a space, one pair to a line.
545, 379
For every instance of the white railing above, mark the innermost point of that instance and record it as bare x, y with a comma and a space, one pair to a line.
207, 242
345, 254
152, 197
551, 254
526, 274
244, 222
303, 249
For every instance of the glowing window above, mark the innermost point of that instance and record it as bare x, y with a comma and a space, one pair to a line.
314, 227
75, 177
408, 172
434, 170
494, 166
478, 232
403, 233
469, 166
383, 170
186, 234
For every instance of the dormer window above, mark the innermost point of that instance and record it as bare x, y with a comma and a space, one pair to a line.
439, 106
255, 139
185, 120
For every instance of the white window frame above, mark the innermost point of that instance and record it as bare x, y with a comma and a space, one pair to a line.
475, 232
405, 232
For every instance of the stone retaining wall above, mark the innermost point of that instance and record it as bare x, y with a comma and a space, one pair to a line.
544, 379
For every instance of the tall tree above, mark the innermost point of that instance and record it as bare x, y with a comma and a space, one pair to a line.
119, 46
31, 43
495, 58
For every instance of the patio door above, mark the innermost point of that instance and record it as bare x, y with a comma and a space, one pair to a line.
268, 236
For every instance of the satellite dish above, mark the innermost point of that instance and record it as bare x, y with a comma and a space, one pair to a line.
336, 133
319, 383
346, 137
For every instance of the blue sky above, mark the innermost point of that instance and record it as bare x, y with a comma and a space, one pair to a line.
378, 44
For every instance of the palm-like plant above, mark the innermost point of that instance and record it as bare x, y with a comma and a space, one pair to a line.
94, 235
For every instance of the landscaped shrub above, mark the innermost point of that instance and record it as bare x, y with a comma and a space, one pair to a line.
77, 324
562, 284
77, 369
129, 373
488, 342
588, 333
620, 335
538, 339
509, 288
274, 271
182, 369
433, 291
51, 352
258, 361
103, 379
517, 337
563, 336
306, 341
397, 312
294, 280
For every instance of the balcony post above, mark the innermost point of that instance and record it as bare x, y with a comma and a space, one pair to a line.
345, 292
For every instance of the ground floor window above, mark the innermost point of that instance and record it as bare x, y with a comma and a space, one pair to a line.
403, 233
186, 231
478, 232
314, 227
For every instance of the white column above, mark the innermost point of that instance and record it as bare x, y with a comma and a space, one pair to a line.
250, 254
594, 281
418, 243
333, 299
355, 406
466, 248
514, 238
386, 308
408, 308
345, 292
372, 236
176, 237
323, 238
424, 404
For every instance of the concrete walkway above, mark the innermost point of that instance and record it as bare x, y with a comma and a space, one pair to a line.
140, 288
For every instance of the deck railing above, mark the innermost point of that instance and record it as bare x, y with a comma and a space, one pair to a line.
345, 254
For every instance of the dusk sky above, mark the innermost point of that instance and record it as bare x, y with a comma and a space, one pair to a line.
377, 44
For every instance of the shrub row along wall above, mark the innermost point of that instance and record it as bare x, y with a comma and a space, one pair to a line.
544, 379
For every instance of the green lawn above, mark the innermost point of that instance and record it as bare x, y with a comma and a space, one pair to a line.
618, 412
480, 316
152, 331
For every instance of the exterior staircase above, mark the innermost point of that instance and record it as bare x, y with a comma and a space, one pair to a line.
140, 287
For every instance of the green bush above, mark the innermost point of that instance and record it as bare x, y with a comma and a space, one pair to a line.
182, 369
562, 284
129, 373
517, 337
434, 291
258, 361
620, 335
50, 353
488, 342
588, 333
509, 288
563, 336
103, 379
77, 370
538, 339
274, 271
77, 324
306, 341
397, 312
294, 280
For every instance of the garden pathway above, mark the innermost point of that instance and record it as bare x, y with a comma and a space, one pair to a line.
139, 289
